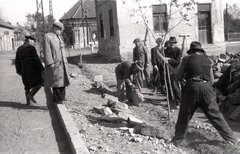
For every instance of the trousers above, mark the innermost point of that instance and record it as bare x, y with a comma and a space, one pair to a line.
200, 94
58, 94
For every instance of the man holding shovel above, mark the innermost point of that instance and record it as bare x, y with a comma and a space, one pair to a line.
173, 56
158, 69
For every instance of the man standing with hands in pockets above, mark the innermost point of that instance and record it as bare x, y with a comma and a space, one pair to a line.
55, 60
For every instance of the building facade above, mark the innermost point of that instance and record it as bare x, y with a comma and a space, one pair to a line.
6, 36
80, 27
119, 22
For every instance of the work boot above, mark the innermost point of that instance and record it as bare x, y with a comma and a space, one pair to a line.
31, 94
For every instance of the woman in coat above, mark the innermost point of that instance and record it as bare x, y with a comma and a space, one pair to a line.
55, 63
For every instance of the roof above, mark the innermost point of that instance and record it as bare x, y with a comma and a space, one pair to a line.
6, 24
76, 12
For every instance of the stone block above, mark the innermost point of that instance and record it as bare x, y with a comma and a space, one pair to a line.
112, 118
235, 115
103, 110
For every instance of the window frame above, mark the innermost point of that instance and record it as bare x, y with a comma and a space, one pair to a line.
160, 13
111, 24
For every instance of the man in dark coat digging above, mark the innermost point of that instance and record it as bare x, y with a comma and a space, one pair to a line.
29, 66
198, 92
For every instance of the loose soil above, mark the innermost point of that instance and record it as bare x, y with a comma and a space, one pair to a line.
107, 137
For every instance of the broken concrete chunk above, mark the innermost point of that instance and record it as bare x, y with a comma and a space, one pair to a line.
103, 110
73, 75
124, 116
151, 131
132, 121
112, 118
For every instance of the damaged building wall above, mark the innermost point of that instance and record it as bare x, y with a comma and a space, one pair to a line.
204, 23
107, 25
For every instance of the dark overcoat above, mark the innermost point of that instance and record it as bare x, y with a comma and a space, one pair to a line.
54, 53
28, 65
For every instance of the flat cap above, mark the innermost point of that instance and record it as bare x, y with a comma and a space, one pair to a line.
58, 24
136, 40
29, 37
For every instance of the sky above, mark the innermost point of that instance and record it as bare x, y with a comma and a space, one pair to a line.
15, 11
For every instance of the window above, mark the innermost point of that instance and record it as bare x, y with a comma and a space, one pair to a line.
110, 13
159, 18
101, 25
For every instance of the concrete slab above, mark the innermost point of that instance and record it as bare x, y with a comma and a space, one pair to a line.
75, 140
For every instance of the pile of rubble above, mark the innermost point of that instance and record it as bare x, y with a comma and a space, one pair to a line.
117, 112
227, 83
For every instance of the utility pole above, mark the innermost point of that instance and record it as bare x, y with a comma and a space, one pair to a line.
40, 24
86, 25
40, 18
83, 12
226, 21
50, 12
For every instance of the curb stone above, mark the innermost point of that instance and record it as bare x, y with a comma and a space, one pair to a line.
76, 142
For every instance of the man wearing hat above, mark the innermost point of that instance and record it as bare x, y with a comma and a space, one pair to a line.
196, 69
123, 72
158, 70
55, 60
29, 66
140, 52
173, 56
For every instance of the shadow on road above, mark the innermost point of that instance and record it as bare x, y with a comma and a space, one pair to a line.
18, 105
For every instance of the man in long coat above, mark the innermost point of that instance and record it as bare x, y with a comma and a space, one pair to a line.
29, 66
55, 60
140, 52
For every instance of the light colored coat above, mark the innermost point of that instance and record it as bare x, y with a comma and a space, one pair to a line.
54, 53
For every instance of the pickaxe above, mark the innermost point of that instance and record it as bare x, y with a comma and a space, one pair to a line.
184, 39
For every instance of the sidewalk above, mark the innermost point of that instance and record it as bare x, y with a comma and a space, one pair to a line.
32, 129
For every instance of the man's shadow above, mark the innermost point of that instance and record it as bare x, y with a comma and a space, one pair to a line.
20, 106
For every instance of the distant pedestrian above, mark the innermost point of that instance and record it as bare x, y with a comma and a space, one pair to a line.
29, 66
55, 63
124, 72
196, 68
140, 52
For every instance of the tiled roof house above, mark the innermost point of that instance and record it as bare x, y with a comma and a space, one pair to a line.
79, 24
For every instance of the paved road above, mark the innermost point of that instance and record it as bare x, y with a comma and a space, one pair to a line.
34, 129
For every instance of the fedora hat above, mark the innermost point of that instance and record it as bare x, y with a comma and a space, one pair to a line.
58, 24
136, 40
139, 64
172, 39
195, 46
